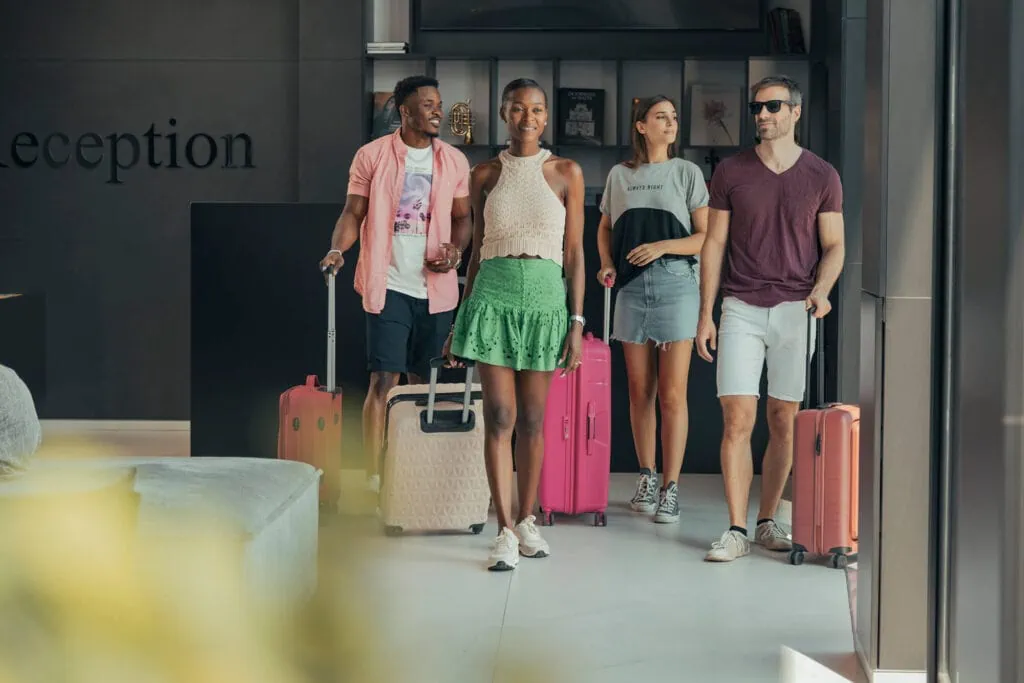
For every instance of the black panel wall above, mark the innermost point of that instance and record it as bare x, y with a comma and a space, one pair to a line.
106, 251
108, 248
258, 327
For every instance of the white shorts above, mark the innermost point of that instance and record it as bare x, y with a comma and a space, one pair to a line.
749, 335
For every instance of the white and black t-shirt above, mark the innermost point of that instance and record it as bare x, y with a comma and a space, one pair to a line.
406, 273
648, 204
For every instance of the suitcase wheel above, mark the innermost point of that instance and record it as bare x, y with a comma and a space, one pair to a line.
600, 519
393, 531
548, 518
796, 557
477, 528
838, 562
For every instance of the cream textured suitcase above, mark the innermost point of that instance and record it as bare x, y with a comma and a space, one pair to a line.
434, 476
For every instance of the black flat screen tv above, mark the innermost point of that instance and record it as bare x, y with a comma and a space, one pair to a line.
589, 15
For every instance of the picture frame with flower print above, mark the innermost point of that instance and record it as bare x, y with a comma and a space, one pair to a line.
715, 115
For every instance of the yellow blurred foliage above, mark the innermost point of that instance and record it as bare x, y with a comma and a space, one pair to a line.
86, 598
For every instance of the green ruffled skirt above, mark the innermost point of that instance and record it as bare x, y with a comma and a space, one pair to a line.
516, 316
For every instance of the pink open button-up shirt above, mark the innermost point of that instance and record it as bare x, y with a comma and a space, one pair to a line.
378, 173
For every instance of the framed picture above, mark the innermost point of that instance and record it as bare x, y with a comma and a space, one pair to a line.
581, 117
384, 114
715, 112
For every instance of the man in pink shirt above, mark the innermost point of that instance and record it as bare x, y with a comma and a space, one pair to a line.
408, 202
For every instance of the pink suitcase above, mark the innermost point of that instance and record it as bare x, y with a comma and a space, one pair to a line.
575, 474
826, 456
309, 419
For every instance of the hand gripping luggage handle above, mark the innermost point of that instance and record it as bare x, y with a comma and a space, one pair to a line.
608, 282
435, 365
607, 305
331, 333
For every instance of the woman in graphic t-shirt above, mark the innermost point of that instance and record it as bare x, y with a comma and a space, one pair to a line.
653, 222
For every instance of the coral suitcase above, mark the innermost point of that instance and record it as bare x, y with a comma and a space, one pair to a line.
826, 450
309, 419
575, 474
434, 475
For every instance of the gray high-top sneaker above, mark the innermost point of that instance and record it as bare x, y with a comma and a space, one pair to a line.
668, 505
646, 497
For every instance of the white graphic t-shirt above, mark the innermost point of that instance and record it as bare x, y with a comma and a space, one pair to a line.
409, 245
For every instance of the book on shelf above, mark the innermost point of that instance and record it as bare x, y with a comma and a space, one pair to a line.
786, 32
580, 117
386, 48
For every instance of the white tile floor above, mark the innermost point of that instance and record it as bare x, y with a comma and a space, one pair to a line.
629, 602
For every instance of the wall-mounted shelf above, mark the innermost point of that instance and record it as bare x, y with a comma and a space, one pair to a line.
480, 80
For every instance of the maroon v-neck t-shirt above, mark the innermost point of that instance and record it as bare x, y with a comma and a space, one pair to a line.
773, 249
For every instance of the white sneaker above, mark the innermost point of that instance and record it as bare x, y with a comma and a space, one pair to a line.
505, 554
772, 536
731, 545
531, 543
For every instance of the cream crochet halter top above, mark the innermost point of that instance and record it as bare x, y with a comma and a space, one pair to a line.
522, 215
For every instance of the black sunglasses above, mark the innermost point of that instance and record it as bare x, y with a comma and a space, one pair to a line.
773, 106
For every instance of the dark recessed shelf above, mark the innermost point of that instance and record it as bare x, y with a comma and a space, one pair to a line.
413, 57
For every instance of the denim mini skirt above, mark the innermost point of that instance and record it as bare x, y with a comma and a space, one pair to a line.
660, 305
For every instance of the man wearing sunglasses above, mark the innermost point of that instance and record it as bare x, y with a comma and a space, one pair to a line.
776, 214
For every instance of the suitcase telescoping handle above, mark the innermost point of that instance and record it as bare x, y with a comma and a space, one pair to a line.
811, 321
332, 275
435, 365
608, 282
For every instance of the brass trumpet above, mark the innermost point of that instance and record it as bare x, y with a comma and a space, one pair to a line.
460, 121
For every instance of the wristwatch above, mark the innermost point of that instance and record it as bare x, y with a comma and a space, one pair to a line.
578, 319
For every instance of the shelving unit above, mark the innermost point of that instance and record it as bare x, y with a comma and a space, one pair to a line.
480, 80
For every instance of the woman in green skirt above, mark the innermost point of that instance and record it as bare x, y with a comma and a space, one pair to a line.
515, 321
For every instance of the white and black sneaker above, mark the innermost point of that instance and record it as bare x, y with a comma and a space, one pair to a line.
646, 497
668, 505
505, 553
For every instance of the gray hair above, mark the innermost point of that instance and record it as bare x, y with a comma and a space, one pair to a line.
796, 97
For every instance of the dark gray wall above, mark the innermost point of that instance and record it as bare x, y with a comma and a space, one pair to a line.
112, 258
901, 195
987, 515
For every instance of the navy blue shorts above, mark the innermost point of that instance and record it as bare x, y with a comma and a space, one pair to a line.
404, 336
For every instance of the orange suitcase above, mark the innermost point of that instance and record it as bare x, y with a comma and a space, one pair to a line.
826, 450
309, 419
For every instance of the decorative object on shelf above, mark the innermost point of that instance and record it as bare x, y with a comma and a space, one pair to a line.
386, 117
785, 32
715, 116
580, 117
460, 121
395, 48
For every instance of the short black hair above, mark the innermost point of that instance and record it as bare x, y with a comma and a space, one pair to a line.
518, 84
407, 86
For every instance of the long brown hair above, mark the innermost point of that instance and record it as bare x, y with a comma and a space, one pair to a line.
640, 111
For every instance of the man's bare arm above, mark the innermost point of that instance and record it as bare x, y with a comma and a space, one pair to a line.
712, 254
831, 234
462, 223
346, 230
